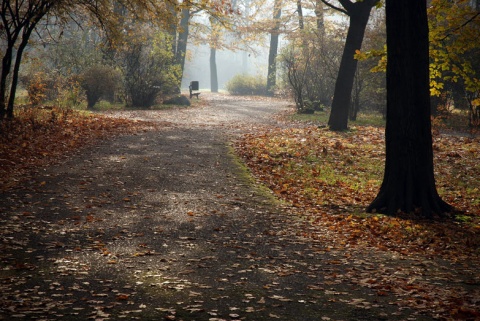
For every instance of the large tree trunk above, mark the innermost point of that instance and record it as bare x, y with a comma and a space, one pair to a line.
359, 13
213, 71
408, 183
272, 54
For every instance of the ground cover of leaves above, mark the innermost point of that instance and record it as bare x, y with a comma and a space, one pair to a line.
38, 137
331, 178
164, 223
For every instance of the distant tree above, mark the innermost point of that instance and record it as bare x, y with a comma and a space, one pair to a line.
320, 20
359, 12
181, 44
214, 42
408, 183
272, 55
369, 91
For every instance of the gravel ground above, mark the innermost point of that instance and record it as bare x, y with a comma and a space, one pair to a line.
168, 225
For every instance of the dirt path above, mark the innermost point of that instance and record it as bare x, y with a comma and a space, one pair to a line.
166, 225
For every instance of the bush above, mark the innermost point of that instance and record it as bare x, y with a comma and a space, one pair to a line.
247, 85
306, 69
41, 86
150, 70
37, 89
100, 82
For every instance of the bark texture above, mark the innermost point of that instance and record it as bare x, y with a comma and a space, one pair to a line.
213, 71
408, 183
359, 13
272, 54
181, 49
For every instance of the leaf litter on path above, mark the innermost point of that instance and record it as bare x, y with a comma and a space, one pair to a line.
165, 225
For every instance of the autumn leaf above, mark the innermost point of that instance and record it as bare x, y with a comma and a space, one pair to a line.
330, 186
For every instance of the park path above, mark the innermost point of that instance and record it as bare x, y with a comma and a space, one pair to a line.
167, 225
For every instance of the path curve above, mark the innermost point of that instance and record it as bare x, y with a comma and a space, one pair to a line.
166, 225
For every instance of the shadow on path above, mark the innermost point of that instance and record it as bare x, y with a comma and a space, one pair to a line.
166, 225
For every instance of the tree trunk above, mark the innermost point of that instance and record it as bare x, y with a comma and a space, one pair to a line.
320, 18
173, 29
16, 21
355, 107
301, 25
245, 55
359, 13
16, 68
272, 54
6, 66
182, 40
408, 183
213, 71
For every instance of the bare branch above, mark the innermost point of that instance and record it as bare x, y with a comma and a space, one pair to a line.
335, 7
451, 32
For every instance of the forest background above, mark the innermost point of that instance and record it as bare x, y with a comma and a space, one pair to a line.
64, 61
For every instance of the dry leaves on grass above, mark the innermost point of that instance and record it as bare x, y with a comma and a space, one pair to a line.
332, 177
38, 137
329, 179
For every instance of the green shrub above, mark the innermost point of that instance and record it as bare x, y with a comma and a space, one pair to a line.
247, 85
100, 82
150, 70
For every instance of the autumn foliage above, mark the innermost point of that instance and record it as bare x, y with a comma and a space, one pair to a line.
331, 178
40, 136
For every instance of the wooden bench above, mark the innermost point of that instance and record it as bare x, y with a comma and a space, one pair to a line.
192, 93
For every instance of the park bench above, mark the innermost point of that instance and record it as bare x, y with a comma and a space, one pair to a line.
193, 86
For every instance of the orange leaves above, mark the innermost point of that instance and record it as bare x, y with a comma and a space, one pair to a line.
38, 137
315, 165
331, 177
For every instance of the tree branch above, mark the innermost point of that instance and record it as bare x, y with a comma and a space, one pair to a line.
335, 7
461, 26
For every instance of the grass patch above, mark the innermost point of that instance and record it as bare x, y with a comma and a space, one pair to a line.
321, 118
104, 105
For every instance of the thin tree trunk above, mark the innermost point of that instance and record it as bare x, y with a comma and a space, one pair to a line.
320, 18
355, 99
182, 40
245, 54
12, 30
6, 67
16, 69
272, 54
408, 183
173, 30
213, 71
359, 14
300, 15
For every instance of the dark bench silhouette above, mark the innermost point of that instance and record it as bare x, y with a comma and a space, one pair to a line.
193, 86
